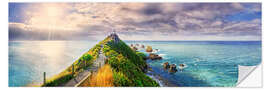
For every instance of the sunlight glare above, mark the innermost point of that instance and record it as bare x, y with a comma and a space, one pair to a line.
50, 17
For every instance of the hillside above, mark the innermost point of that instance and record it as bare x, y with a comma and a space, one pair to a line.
80, 65
123, 67
126, 66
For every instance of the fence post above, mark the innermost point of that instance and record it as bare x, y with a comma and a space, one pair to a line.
72, 69
84, 63
44, 77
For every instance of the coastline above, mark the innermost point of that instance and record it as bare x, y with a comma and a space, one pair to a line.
159, 79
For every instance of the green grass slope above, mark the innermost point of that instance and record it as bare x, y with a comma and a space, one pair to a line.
128, 65
72, 71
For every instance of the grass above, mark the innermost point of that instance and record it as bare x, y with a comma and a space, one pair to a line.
103, 78
85, 61
59, 79
128, 66
124, 67
141, 54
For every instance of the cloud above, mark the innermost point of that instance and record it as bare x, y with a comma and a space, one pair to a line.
19, 31
180, 21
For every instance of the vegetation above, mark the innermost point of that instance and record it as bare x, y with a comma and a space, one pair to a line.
84, 62
122, 49
128, 66
103, 78
124, 67
59, 79
141, 55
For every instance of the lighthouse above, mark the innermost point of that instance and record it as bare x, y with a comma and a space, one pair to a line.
114, 36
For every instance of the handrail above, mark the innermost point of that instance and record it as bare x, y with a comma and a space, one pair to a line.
83, 80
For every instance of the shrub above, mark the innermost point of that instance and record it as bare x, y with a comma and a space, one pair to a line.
141, 55
60, 79
127, 65
120, 79
87, 57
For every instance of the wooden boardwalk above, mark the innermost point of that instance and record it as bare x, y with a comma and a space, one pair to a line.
99, 62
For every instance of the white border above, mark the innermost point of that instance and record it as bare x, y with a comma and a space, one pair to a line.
254, 78
4, 40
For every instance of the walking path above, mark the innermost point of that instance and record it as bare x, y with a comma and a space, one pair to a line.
99, 62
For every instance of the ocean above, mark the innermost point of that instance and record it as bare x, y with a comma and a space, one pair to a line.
208, 63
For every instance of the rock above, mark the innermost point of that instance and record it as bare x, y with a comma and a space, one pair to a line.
145, 58
173, 68
153, 56
142, 46
166, 65
149, 68
134, 48
137, 44
181, 65
149, 49
145, 68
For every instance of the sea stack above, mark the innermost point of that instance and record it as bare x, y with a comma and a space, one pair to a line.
153, 56
166, 65
134, 48
173, 68
181, 65
142, 46
149, 49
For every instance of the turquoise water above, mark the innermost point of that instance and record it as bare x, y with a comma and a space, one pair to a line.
29, 59
208, 63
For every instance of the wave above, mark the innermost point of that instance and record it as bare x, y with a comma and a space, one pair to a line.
185, 66
155, 50
156, 79
162, 55
165, 56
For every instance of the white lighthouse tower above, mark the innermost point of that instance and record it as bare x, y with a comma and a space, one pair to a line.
114, 36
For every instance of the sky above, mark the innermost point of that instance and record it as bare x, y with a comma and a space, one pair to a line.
135, 21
